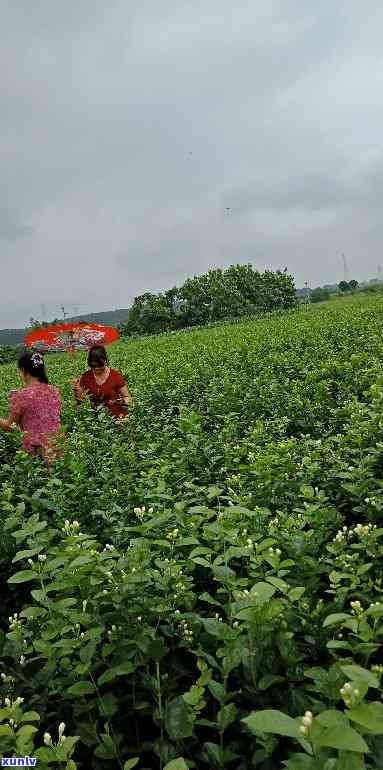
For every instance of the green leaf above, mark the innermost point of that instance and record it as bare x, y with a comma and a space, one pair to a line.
349, 761
201, 562
302, 762
359, 674
337, 617
338, 737
112, 673
24, 740
177, 764
268, 681
219, 630
26, 554
23, 576
368, 715
33, 612
270, 721
296, 593
279, 584
178, 722
30, 716
336, 644
223, 572
263, 592
106, 749
81, 688
205, 597
217, 690
156, 649
45, 755
226, 716
80, 561
87, 652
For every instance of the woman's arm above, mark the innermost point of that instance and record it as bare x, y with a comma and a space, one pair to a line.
15, 412
78, 391
125, 396
6, 424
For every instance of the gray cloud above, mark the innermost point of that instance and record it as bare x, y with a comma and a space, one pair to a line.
128, 129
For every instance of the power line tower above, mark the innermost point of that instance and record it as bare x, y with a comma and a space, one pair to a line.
345, 268
64, 312
43, 313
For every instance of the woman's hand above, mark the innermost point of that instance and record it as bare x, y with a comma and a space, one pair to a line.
125, 398
77, 389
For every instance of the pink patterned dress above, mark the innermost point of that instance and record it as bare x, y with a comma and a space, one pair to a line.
36, 410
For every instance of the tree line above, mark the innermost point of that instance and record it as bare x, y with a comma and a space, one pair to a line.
216, 295
323, 293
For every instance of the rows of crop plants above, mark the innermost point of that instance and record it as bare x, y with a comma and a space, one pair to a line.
201, 587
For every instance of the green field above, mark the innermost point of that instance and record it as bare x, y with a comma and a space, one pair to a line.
225, 574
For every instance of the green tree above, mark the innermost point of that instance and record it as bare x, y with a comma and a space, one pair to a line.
215, 295
319, 294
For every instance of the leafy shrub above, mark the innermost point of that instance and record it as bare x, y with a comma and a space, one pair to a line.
201, 586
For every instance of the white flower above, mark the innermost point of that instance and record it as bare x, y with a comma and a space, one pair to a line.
30, 562
7, 702
84, 605
47, 739
42, 557
22, 660
61, 729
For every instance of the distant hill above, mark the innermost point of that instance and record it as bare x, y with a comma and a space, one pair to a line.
13, 337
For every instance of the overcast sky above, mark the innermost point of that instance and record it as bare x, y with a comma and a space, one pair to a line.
129, 127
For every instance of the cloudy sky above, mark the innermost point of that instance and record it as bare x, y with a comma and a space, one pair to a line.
145, 141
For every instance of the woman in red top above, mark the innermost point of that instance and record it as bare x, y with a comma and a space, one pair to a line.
104, 386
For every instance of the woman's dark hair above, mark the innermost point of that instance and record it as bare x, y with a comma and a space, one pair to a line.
33, 364
97, 356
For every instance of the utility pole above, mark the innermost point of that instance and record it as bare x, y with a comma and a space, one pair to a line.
43, 313
63, 312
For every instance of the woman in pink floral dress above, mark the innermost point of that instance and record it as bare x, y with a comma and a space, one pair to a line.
35, 409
